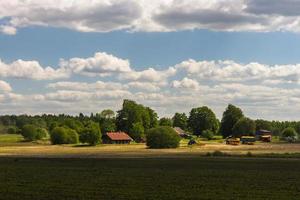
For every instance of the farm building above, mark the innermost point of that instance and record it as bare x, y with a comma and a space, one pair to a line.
264, 135
181, 132
116, 138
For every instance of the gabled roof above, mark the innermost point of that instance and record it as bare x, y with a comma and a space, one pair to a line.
263, 132
179, 130
118, 136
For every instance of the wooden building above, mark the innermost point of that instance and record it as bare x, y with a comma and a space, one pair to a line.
117, 138
264, 135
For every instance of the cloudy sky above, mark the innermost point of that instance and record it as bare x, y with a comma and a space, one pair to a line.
70, 56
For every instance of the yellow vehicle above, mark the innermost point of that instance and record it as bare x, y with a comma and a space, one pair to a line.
233, 141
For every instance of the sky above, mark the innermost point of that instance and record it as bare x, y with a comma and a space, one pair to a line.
69, 56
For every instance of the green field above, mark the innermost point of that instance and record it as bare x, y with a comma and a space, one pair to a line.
149, 178
10, 139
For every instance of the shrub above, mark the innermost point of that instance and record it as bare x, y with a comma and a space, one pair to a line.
12, 130
162, 137
208, 134
43, 133
289, 133
31, 133
91, 134
63, 135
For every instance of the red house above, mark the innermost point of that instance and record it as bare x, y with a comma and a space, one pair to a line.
117, 138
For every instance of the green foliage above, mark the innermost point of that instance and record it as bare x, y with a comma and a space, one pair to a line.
230, 117
12, 130
162, 137
165, 122
208, 134
289, 132
263, 125
244, 127
42, 132
180, 120
107, 113
63, 135
108, 125
91, 134
73, 124
31, 133
137, 132
201, 119
132, 113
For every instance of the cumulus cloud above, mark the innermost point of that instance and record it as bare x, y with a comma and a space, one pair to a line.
30, 70
82, 86
186, 83
5, 87
160, 15
101, 64
230, 71
105, 80
99, 16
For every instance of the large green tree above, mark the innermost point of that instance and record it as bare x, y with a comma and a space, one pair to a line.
263, 124
91, 134
132, 113
137, 132
244, 127
180, 120
230, 117
202, 118
164, 121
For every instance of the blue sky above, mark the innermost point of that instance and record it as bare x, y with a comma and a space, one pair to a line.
156, 49
171, 55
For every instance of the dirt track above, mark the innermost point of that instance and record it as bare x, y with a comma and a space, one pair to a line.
140, 150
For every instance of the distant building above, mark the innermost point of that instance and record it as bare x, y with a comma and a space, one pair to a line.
264, 135
117, 138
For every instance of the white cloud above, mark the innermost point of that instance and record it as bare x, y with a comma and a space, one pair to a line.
82, 86
186, 83
9, 30
30, 70
101, 64
5, 87
257, 88
159, 15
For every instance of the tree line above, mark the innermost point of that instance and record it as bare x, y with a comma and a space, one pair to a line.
136, 119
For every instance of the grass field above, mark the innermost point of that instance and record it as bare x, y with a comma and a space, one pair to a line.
149, 178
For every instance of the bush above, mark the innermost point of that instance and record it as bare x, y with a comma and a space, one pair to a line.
12, 130
91, 134
63, 135
31, 133
162, 137
208, 134
289, 133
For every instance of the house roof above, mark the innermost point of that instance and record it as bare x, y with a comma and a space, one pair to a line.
179, 130
118, 136
262, 132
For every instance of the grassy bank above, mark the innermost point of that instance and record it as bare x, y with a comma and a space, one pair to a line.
152, 178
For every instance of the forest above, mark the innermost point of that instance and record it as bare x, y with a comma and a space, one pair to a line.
136, 119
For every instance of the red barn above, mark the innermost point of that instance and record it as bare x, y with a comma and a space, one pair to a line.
117, 138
